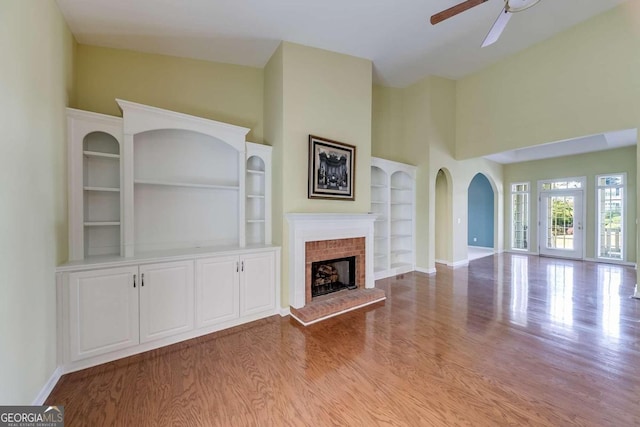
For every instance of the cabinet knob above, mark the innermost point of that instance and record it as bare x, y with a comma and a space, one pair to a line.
142, 280
236, 266
134, 280
242, 265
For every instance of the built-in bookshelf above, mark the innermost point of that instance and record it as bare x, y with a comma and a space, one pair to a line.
258, 194
159, 180
95, 200
393, 200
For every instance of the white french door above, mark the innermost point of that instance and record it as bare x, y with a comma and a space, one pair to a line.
562, 224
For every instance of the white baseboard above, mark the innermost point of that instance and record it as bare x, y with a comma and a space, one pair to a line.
456, 264
461, 263
285, 311
609, 261
517, 252
48, 387
426, 270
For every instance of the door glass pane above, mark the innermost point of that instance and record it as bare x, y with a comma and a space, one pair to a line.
520, 220
610, 201
560, 222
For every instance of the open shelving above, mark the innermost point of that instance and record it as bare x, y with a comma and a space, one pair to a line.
393, 199
258, 194
186, 184
379, 206
186, 190
95, 145
156, 180
101, 194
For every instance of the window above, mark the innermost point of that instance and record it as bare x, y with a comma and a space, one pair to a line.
562, 185
520, 216
610, 206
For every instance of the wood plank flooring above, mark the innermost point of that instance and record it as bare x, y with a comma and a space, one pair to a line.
510, 340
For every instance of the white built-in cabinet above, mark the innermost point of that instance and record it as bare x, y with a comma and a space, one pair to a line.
257, 287
393, 200
166, 299
102, 310
169, 232
230, 287
217, 290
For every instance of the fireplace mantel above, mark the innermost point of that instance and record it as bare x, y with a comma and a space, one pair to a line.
310, 227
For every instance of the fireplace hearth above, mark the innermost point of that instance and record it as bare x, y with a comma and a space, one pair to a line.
333, 275
329, 236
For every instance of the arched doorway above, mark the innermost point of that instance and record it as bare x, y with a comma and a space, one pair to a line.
480, 218
443, 231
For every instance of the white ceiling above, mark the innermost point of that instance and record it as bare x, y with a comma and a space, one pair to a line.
395, 35
587, 144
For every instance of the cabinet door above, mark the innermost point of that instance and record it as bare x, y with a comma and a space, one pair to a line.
166, 299
103, 313
257, 283
217, 290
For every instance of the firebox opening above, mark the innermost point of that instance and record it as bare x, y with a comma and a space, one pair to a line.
333, 275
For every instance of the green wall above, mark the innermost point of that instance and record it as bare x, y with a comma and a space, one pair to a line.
36, 75
417, 125
581, 82
588, 165
314, 91
227, 93
274, 129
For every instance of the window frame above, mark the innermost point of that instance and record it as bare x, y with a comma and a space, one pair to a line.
526, 193
623, 213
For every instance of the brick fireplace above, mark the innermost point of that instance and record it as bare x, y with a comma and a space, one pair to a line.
332, 250
316, 237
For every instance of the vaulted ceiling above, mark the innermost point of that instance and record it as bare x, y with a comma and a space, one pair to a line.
395, 35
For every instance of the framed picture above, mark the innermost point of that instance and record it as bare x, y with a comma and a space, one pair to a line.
332, 167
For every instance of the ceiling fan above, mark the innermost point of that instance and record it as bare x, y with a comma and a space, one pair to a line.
510, 7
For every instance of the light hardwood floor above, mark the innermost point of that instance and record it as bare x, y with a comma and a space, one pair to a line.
510, 340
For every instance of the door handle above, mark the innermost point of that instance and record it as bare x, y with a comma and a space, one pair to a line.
242, 265
134, 280
142, 280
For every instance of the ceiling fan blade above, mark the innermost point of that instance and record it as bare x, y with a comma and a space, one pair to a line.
453, 11
498, 28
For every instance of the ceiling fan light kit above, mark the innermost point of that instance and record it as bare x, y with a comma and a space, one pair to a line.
515, 6
510, 7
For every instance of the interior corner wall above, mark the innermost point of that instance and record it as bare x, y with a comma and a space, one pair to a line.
414, 150
329, 95
588, 165
581, 82
401, 130
387, 122
417, 125
273, 136
37, 78
224, 92
441, 155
